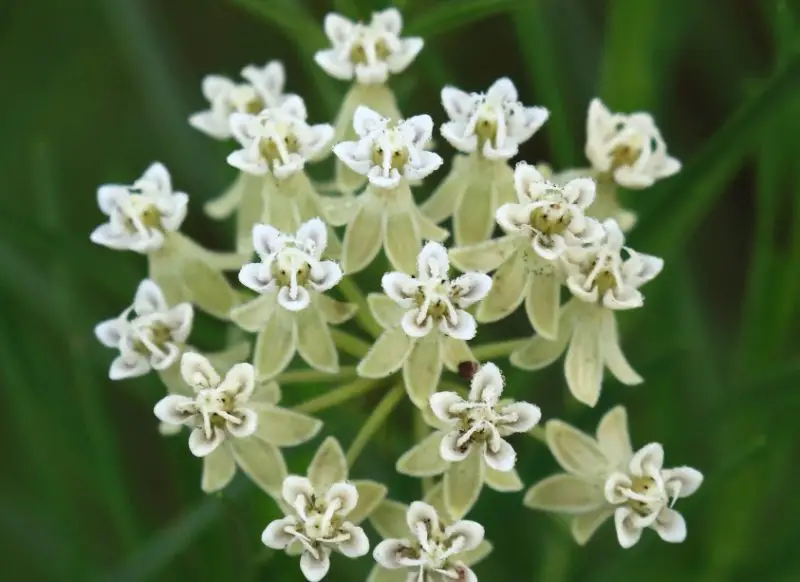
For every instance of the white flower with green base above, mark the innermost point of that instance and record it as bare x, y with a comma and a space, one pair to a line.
604, 477
488, 128
426, 325
601, 282
367, 54
145, 217
540, 226
291, 315
468, 445
234, 424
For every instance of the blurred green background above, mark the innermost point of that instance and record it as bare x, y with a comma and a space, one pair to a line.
95, 90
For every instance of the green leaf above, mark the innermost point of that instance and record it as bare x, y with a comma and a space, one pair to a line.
445, 17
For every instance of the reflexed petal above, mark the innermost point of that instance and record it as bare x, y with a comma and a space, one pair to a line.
627, 533
670, 526
441, 404
472, 288
263, 463
208, 288
333, 311
528, 415
485, 256
565, 493
200, 445
384, 309
487, 384
583, 365
197, 371
275, 536
474, 556
613, 437
503, 481
400, 288
584, 525
465, 327
499, 454
387, 354
542, 304
389, 519
345, 493
449, 194
253, 315
539, 352
462, 485
328, 465
682, 481
422, 370
314, 341
612, 354
283, 427
149, 299
363, 237
471, 531
454, 352
370, 495
509, 285
266, 392
357, 545
648, 459
381, 574
473, 219
174, 409
275, 346
402, 241
574, 450
128, 366
315, 569
110, 332
386, 553
218, 470
424, 458
450, 450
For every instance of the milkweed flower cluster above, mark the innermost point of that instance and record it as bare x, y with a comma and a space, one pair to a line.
523, 235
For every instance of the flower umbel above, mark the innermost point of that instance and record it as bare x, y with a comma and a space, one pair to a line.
149, 334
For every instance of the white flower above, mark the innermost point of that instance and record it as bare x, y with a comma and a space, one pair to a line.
598, 273
367, 52
551, 215
149, 334
644, 496
140, 214
481, 421
219, 408
433, 551
604, 477
277, 140
431, 298
629, 147
291, 265
264, 88
494, 123
388, 152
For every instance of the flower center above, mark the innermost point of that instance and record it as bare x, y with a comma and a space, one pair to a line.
486, 125
245, 99
291, 267
601, 274
390, 152
624, 155
550, 220
278, 142
140, 213
359, 55
215, 407
150, 335
648, 496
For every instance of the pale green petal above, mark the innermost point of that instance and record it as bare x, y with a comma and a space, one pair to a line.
462, 485
473, 557
389, 519
253, 315
613, 437
208, 288
565, 493
538, 352
509, 285
385, 311
334, 312
449, 194
422, 369
251, 210
575, 451
329, 464
401, 241
542, 304
583, 526
275, 345
503, 481
262, 462
226, 203
387, 355
583, 365
473, 221
485, 256
423, 459
614, 359
223, 360
370, 495
282, 427
314, 341
218, 469
363, 237
455, 351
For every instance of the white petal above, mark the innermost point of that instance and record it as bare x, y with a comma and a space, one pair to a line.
513, 218
450, 450
345, 493
366, 120
472, 287
337, 28
315, 569
325, 275
580, 191
357, 545
197, 371
174, 409
200, 446
275, 535
457, 103
110, 197
528, 415
627, 532
294, 487
300, 301
257, 276
240, 381
161, 360
180, 320
432, 262
670, 525
470, 531
313, 233
267, 240
613, 485
247, 425
499, 454
421, 128
110, 332
525, 177
422, 166
647, 460
129, 365
487, 385
682, 481
332, 63
414, 329
388, 553
420, 512
465, 327
441, 404
352, 154
149, 299
389, 20
400, 288
502, 89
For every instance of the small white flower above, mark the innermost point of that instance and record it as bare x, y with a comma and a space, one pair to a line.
140, 214
482, 420
318, 520
149, 334
431, 298
264, 88
494, 123
629, 147
367, 52
219, 408
433, 551
598, 273
551, 215
388, 152
291, 265
277, 140
644, 496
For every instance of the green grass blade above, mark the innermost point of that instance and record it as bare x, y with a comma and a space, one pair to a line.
444, 17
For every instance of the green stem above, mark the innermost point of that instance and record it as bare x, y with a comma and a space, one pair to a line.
337, 396
364, 317
376, 419
301, 376
498, 349
349, 344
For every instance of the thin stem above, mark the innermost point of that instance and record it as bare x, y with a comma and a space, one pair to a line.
421, 431
364, 317
349, 344
301, 376
498, 349
537, 432
337, 396
376, 419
